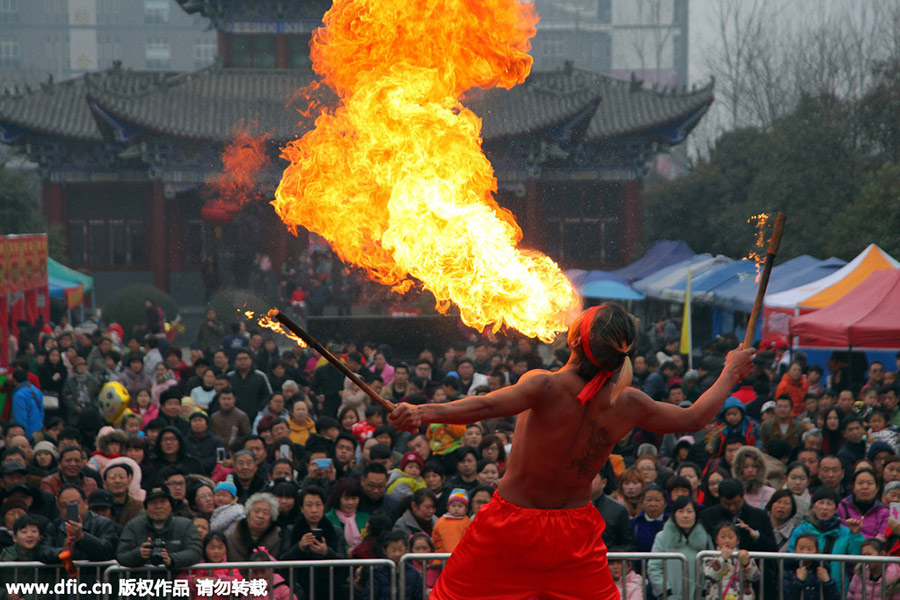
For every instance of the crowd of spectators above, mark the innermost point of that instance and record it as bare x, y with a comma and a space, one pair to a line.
236, 450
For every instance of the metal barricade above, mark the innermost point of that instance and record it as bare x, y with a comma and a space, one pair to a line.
56, 579
643, 557
291, 566
425, 558
780, 557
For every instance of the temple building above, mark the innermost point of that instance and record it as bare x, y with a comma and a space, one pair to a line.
126, 156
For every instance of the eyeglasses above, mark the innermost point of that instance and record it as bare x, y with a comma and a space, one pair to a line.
375, 486
178, 484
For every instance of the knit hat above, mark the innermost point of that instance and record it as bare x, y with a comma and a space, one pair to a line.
228, 486
46, 447
824, 493
892, 486
199, 412
458, 495
10, 504
412, 457
769, 405
100, 499
877, 447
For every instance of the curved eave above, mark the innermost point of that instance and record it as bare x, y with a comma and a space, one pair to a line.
679, 125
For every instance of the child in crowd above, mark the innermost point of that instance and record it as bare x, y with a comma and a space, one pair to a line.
131, 425
421, 543
142, 404
449, 529
870, 575
633, 586
365, 428
733, 420
375, 582
810, 580
881, 430
276, 587
215, 550
404, 481
723, 572
228, 512
26, 537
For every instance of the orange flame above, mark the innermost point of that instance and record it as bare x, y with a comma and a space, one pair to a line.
395, 178
757, 255
268, 322
243, 159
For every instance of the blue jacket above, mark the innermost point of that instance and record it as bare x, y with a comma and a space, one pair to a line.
840, 540
645, 531
28, 408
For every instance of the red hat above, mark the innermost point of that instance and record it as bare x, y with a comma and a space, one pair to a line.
412, 457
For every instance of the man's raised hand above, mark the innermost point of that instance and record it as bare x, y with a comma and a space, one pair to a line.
740, 362
405, 417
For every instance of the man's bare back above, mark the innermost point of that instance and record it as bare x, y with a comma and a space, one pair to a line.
559, 444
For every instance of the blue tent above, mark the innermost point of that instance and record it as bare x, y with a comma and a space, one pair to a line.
653, 284
608, 289
739, 295
705, 286
663, 254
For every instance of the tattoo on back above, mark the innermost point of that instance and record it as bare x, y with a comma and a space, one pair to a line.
595, 452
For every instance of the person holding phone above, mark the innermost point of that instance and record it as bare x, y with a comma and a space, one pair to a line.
568, 423
313, 538
87, 535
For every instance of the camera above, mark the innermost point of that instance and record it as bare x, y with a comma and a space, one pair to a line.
156, 558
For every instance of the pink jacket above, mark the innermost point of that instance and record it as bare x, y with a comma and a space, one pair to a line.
873, 587
634, 587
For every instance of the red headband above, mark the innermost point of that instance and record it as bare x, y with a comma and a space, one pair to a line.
593, 386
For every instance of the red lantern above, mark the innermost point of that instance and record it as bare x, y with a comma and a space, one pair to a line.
219, 213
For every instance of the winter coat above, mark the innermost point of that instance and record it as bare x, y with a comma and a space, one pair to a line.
203, 449
671, 539
874, 522
362, 519
724, 581
748, 429
241, 543
836, 540
28, 407
873, 586
301, 432
225, 518
796, 390
645, 531
251, 391
180, 534
408, 525
400, 485
809, 588
97, 544
634, 587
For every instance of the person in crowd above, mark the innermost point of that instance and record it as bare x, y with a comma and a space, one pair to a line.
466, 469
374, 497
733, 421
158, 536
750, 469
794, 385
27, 403
227, 511
201, 443
201, 497
629, 583
313, 537
722, 572
683, 534
832, 440
406, 479
275, 406
344, 514
25, 537
652, 518
88, 537
251, 387
205, 391
301, 425
831, 475
709, 486
797, 481
783, 426
46, 457
171, 450
71, 471
878, 453
136, 450
863, 504
418, 514
214, 551
257, 528
117, 480
880, 580
854, 448
754, 526
618, 532
810, 580
142, 405
630, 491
832, 536
393, 546
280, 589
248, 479
229, 423
449, 528
782, 510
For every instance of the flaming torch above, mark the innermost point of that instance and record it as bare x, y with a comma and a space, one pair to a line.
774, 243
395, 177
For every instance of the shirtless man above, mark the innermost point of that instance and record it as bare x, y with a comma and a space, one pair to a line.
539, 537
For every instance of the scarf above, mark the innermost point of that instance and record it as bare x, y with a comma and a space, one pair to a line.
593, 386
351, 529
828, 525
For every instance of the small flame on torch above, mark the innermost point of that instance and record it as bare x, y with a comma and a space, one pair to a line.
268, 321
757, 255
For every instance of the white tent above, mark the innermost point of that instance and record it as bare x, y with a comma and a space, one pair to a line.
655, 284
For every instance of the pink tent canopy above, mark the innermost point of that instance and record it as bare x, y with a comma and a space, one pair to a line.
866, 317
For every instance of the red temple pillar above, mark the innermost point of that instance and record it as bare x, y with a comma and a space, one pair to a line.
157, 243
52, 201
632, 231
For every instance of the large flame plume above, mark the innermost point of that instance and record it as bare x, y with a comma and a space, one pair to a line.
244, 158
758, 254
395, 177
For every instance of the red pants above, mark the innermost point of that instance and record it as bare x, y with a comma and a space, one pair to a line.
514, 553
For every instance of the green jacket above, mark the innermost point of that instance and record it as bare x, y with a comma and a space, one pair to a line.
26, 574
362, 519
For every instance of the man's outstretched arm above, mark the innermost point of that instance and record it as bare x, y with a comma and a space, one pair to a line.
662, 417
504, 402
